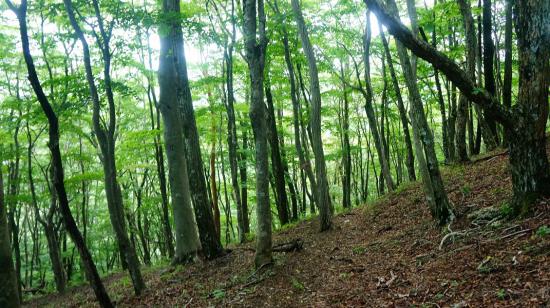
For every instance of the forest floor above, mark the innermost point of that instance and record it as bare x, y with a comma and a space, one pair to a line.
389, 253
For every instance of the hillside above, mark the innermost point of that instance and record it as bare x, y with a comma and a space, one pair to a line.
388, 253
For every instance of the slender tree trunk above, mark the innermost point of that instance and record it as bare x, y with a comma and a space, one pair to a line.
244, 191
276, 161
371, 117
12, 208
211, 245
435, 191
305, 164
214, 186
9, 292
507, 86
402, 111
48, 224
346, 181
463, 112
105, 135
254, 26
57, 163
232, 141
488, 58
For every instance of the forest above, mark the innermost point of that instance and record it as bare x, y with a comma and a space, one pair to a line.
199, 153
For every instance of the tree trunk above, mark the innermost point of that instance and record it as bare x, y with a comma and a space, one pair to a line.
105, 135
232, 141
9, 294
402, 111
211, 245
254, 26
305, 164
187, 238
507, 86
12, 208
488, 58
276, 161
435, 191
325, 206
159, 159
463, 112
214, 186
371, 117
57, 164
244, 192
528, 160
346, 152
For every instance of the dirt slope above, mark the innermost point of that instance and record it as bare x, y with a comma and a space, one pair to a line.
384, 254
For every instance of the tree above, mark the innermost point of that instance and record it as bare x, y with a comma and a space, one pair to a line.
526, 121
255, 48
276, 161
489, 75
373, 125
187, 239
9, 294
424, 142
401, 107
324, 203
305, 163
106, 138
471, 47
58, 176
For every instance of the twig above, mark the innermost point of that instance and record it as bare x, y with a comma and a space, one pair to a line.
447, 236
515, 233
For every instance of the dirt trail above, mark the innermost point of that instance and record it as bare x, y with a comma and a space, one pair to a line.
384, 254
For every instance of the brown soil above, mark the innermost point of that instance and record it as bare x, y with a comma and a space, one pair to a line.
383, 254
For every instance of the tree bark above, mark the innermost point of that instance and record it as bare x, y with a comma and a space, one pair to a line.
9, 294
507, 86
528, 160
255, 48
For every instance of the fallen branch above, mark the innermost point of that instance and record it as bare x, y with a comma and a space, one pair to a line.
294, 245
515, 233
491, 157
447, 236
386, 284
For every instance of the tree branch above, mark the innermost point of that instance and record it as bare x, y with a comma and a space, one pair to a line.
459, 77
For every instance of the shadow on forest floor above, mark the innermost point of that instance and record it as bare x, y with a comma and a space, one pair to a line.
389, 253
